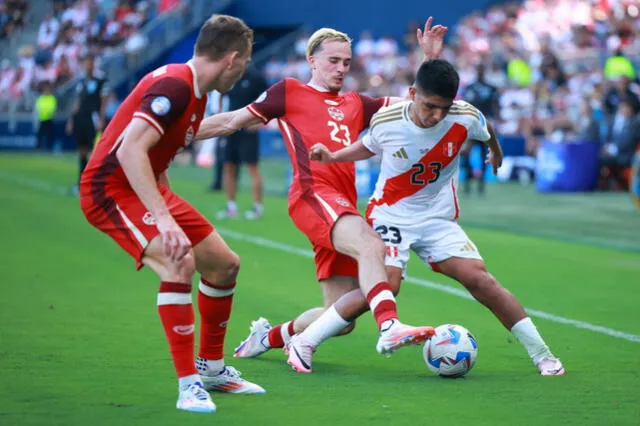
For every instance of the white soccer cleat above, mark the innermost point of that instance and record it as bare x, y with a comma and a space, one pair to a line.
229, 381
258, 341
227, 214
196, 399
253, 214
300, 354
550, 366
398, 335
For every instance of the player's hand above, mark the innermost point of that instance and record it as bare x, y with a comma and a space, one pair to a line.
431, 39
69, 127
321, 153
174, 240
495, 159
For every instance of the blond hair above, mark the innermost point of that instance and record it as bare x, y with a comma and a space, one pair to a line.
322, 35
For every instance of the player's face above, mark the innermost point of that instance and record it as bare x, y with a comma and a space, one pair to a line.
330, 64
429, 110
237, 66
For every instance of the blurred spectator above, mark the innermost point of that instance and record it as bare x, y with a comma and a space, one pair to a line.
46, 106
623, 138
88, 112
484, 97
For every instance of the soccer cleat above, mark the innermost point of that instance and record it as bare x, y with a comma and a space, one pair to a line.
300, 354
258, 341
253, 214
227, 214
398, 335
550, 366
196, 399
229, 381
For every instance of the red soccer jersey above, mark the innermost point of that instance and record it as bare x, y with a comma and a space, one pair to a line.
307, 116
169, 100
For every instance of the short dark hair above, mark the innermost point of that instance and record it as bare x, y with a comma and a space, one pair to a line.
222, 34
437, 77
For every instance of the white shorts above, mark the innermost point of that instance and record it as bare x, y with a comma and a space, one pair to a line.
434, 240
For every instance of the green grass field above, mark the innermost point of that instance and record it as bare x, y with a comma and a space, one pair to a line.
80, 341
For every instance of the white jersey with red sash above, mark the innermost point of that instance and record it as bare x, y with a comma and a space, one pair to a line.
419, 167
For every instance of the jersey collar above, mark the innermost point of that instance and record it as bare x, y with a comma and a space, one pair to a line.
320, 89
196, 89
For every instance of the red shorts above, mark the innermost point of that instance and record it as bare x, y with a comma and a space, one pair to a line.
314, 214
120, 214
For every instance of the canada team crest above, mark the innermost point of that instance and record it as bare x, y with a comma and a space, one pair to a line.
336, 113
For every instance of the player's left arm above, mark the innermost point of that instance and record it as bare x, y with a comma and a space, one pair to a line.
494, 156
431, 41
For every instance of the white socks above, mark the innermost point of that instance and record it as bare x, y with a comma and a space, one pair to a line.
232, 206
527, 334
209, 366
186, 381
327, 325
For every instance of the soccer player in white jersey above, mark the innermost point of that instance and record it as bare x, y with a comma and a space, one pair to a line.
415, 206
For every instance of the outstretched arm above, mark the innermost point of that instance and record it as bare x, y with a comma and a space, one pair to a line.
226, 123
353, 152
430, 40
494, 156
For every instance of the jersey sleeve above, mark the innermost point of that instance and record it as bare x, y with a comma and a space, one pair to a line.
271, 103
164, 103
371, 140
370, 106
479, 130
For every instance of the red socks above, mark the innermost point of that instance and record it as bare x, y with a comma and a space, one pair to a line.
176, 314
280, 334
382, 303
214, 304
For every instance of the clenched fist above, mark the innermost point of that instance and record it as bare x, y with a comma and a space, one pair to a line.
321, 153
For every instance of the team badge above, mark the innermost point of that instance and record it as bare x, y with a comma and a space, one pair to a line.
261, 98
343, 202
336, 113
449, 149
188, 137
148, 219
161, 105
193, 118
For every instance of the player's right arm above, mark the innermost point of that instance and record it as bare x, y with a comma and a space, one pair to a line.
269, 105
226, 123
133, 156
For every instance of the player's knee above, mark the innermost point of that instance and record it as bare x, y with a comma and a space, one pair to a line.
482, 282
181, 271
228, 273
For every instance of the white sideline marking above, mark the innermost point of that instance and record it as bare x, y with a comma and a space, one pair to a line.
435, 286
43, 186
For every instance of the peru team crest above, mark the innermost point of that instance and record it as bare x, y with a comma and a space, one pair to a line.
449, 149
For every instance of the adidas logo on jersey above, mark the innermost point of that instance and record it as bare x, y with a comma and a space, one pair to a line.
401, 154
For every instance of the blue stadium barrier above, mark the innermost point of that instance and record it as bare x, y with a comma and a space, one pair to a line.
570, 166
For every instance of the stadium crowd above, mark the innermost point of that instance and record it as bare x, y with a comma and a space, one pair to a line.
562, 69
73, 30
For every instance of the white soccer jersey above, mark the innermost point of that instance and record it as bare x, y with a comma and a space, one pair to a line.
419, 167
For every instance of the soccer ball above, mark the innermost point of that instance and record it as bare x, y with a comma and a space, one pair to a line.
451, 352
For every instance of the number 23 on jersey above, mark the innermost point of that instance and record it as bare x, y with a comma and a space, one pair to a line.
339, 133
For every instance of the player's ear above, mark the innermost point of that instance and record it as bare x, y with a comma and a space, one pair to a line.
231, 57
312, 62
412, 93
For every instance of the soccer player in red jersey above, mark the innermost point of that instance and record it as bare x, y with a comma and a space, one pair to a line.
125, 193
349, 255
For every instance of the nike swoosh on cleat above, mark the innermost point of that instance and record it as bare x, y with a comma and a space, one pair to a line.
304, 364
